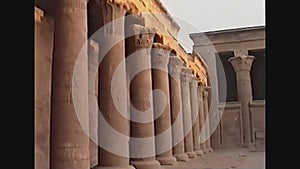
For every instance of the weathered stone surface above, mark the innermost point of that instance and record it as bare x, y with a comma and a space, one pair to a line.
242, 66
186, 77
207, 118
202, 120
140, 92
42, 75
112, 95
69, 139
240, 41
93, 56
174, 67
161, 103
195, 116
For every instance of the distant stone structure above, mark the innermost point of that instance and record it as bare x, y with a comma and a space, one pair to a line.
235, 57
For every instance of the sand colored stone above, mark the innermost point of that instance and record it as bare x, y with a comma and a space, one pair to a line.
174, 67
163, 132
242, 65
69, 139
140, 92
186, 77
195, 116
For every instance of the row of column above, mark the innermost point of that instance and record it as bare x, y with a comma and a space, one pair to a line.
185, 110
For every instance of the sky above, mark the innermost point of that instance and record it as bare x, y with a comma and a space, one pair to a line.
196, 16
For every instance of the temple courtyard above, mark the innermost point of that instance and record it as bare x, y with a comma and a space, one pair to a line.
225, 159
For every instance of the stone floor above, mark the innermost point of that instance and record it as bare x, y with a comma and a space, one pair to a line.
225, 159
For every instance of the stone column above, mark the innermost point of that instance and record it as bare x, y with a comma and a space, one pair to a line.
186, 77
201, 121
161, 102
195, 115
242, 66
93, 56
69, 139
142, 143
113, 126
175, 66
207, 120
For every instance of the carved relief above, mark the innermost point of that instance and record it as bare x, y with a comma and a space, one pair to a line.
160, 54
141, 36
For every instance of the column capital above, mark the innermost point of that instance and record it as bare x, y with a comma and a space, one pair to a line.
242, 63
66, 4
205, 94
186, 75
207, 88
160, 54
115, 4
142, 37
201, 88
111, 10
175, 66
194, 82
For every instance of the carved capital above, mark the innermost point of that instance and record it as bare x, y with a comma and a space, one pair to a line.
186, 75
175, 66
194, 82
205, 94
201, 89
111, 10
242, 63
68, 5
160, 54
141, 37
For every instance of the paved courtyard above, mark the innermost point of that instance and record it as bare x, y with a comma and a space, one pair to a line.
226, 159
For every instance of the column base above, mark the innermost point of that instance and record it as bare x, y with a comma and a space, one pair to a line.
114, 167
153, 164
210, 149
182, 157
205, 151
250, 146
191, 154
166, 160
199, 152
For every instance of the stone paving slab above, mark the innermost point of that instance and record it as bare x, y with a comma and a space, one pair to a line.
225, 159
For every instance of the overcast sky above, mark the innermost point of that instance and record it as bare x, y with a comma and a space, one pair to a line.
208, 15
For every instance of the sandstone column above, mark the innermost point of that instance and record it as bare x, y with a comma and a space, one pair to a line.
69, 139
195, 115
242, 66
207, 120
93, 56
142, 143
186, 77
201, 121
175, 66
161, 102
113, 127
